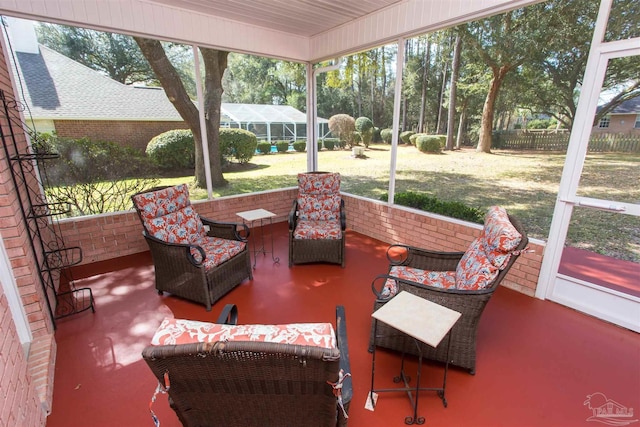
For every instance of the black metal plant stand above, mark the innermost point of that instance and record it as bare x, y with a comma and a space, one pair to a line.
412, 391
52, 256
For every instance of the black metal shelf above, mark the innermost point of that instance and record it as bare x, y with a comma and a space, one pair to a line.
53, 258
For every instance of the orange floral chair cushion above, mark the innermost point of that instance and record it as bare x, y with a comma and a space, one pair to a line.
318, 230
438, 279
475, 271
162, 202
180, 331
217, 250
319, 183
321, 207
499, 236
182, 226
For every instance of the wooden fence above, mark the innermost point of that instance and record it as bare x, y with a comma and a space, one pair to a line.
535, 141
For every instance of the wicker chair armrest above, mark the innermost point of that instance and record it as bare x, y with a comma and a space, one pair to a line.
293, 216
345, 364
343, 216
180, 250
228, 315
422, 258
377, 285
227, 230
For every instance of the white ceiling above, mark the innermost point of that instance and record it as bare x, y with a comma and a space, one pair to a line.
308, 31
301, 17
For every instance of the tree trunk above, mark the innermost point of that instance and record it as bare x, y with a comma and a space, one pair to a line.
441, 98
423, 97
455, 68
484, 142
215, 64
461, 124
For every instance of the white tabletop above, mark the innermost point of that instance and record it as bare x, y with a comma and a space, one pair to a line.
255, 214
421, 319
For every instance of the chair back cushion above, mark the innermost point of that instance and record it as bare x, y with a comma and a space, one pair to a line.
319, 183
167, 214
489, 253
319, 196
319, 207
500, 237
182, 226
180, 331
474, 271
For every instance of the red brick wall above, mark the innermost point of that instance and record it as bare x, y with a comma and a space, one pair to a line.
135, 134
113, 235
20, 403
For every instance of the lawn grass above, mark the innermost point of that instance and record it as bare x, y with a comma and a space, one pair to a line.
525, 183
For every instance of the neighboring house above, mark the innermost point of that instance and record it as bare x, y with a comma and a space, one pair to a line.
75, 101
625, 119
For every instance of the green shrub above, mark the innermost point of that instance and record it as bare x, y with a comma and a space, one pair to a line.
432, 204
300, 146
282, 146
404, 136
173, 149
429, 143
386, 135
364, 126
443, 141
539, 124
83, 160
376, 138
93, 177
239, 144
264, 147
330, 143
319, 145
412, 138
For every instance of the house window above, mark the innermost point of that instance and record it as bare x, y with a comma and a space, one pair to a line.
637, 125
604, 122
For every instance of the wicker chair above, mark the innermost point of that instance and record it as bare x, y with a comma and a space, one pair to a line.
194, 257
470, 302
253, 383
317, 220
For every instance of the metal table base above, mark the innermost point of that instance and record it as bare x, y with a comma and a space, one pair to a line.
412, 392
260, 215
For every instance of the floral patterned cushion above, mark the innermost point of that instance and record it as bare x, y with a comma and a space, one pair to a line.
322, 207
217, 250
319, 183
318, 230
180, 331
181, 226
474, 271
158, 203
438, 279
500, 236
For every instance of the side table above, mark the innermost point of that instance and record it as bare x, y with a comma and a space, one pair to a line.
260, 215
423, 321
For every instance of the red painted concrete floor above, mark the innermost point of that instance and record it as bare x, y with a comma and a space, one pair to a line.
537, 361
